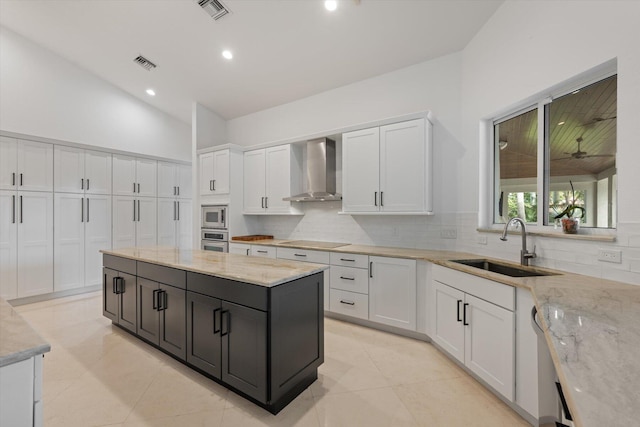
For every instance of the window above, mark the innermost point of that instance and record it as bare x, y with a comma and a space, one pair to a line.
563, 149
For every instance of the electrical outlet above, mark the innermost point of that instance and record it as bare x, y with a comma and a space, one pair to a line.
482, 240
448, 233
610, 255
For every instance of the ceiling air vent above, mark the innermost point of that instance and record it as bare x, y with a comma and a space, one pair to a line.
214, 8
144, 63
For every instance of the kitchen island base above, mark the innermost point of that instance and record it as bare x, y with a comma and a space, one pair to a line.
262, 342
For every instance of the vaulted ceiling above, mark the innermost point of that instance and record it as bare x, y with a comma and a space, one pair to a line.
284, 50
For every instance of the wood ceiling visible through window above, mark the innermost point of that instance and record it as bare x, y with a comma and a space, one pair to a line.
588, 115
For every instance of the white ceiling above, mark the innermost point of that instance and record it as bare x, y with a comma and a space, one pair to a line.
283, 49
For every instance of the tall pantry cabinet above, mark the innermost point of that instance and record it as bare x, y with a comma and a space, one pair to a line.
82, 216
26, 218
174, 205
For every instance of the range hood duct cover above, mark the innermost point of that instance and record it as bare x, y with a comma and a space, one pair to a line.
321, 173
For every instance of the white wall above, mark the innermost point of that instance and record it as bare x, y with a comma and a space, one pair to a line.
47, 96
528, 47
208, 128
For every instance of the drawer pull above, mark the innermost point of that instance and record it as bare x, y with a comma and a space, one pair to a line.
347, 302
347, 259
262, 252
301, 255
347, 278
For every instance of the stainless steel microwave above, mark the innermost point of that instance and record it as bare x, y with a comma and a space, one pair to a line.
214, 216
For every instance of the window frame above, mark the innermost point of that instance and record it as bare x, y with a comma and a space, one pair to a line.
489, 176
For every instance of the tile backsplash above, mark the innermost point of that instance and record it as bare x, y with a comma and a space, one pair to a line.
457, 231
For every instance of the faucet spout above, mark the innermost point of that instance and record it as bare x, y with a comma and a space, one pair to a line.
525, 255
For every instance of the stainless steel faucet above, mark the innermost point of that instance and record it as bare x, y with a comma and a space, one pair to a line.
524, 254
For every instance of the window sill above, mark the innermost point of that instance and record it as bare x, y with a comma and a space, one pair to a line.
556, 235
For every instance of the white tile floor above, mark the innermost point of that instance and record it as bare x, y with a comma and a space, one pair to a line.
98, 375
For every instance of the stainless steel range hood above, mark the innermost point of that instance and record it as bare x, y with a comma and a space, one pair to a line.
321, 173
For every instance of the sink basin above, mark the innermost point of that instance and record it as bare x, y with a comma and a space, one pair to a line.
507, 270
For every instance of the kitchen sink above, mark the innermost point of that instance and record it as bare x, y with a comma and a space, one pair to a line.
505, 269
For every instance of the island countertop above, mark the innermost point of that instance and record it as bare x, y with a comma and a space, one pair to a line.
257, 271
18, 340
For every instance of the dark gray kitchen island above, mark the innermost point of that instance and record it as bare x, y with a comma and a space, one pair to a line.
254, 325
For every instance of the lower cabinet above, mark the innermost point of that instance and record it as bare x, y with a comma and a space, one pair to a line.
478, 333
161, 316
392, 292
119, 298
229, 342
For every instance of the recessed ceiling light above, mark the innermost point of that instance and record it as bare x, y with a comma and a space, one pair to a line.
561, 123
151, 92
331, 5
227, 54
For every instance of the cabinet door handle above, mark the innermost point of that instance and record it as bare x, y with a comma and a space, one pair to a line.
225, 331
346, 259
210, 185
113, 284
347, 302
82, 210
178, 188
138, 210
87, 183
371, 269
165, 300
248, 252
13, 178
458, 315
87, 206
21, 180
174, 210
381, 198
134, 211
375, 198
347, 278
155, 299
21, 210
216, 329
464, 314
138, 188
134, 187
13, 209
262, 202
82, 183
175, 193
266, 202
214, 185
178, 208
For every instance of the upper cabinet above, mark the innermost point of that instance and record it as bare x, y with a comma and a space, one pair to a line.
214, 172
174, 180
271, 174
81, 171
25, 165
134, 176
387, 169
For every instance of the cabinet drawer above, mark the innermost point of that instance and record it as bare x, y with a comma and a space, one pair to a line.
494, 292
319, 257
350, 260
117, 263
162, 274
350, 279
263, 251
349, 303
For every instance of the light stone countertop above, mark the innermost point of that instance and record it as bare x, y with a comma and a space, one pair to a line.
257, 271
591, 325
18, 340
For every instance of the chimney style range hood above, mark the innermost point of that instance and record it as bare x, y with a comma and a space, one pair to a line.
321, 173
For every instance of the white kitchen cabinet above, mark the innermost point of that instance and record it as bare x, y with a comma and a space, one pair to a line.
392, 291
387, 169
271, 174
307, 255
174, 180
174, 223
214, 172
348, 291
21, 393
263, 251
134, 221
81, 171
239, 248
25, 165
473, 329
26, 243
82, 229
134, 176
